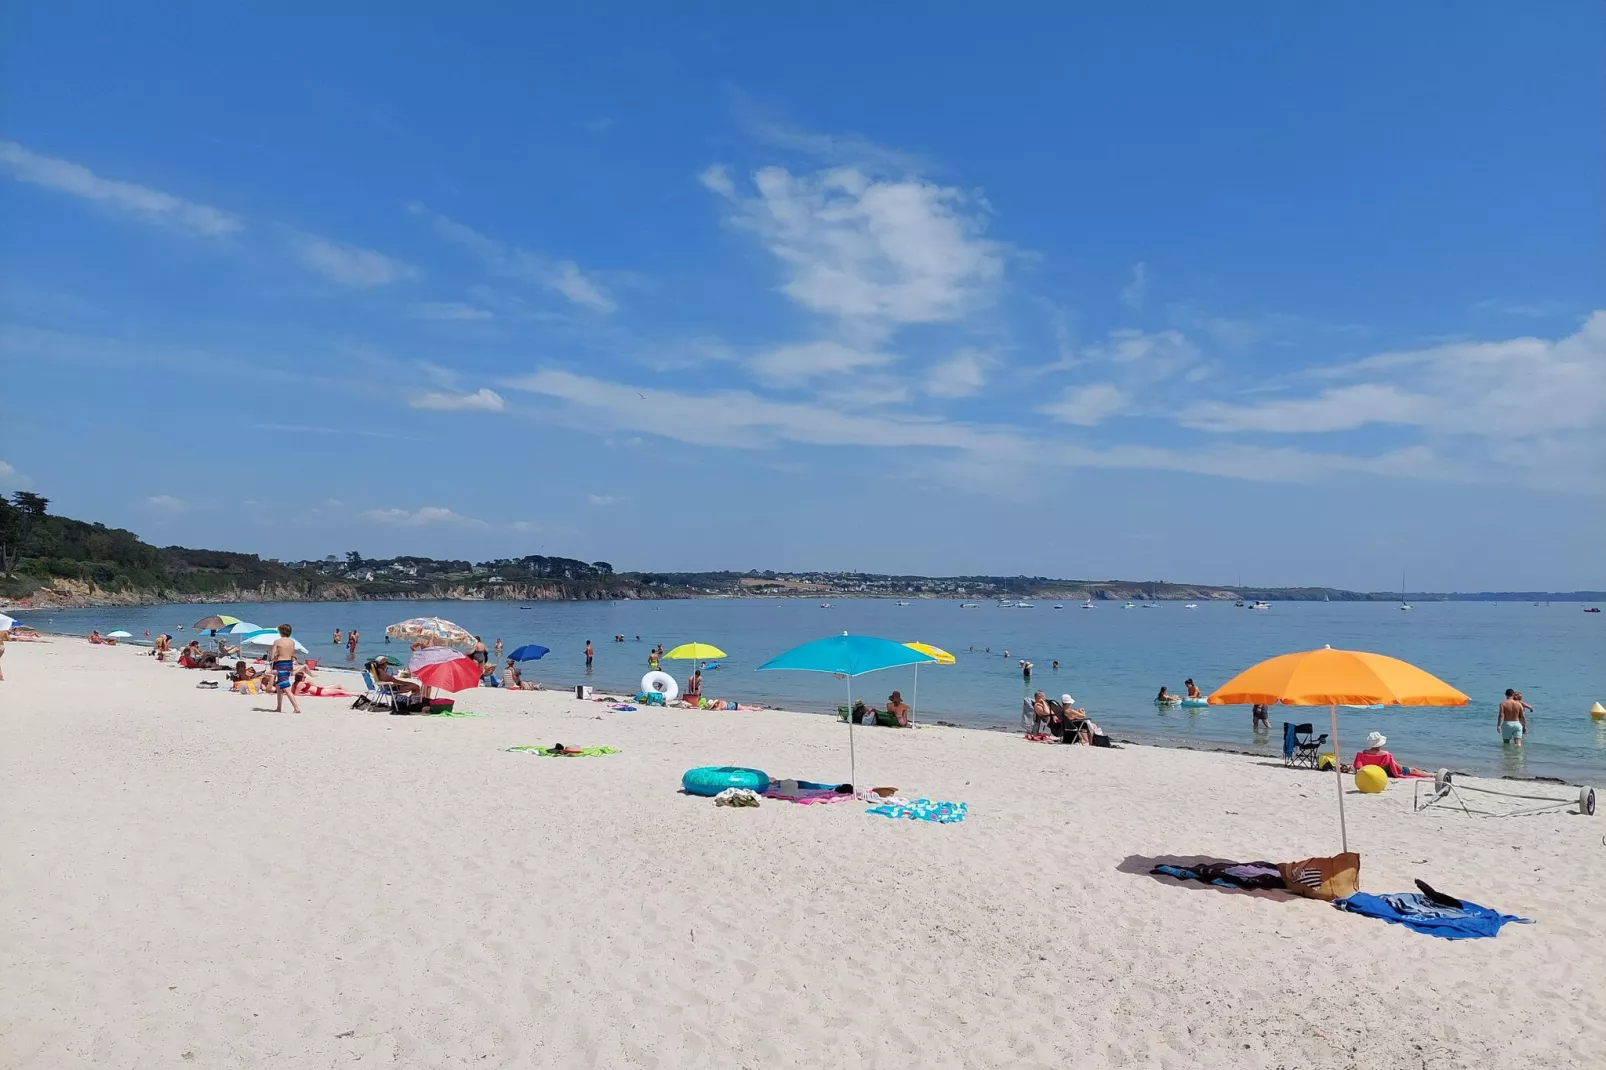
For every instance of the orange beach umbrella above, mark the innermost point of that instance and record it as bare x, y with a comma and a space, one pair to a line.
1335, 678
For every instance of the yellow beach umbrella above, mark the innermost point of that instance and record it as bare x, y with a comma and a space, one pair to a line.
1335, 678
937, 654
696, 652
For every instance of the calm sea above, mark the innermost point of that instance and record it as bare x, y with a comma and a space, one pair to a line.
1112, 660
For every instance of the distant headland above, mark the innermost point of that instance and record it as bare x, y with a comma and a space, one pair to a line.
55, 561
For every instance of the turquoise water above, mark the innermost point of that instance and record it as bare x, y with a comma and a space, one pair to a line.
1112, 660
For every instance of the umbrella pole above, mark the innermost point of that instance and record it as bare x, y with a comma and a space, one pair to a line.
914, 696
1338, 779
853, 764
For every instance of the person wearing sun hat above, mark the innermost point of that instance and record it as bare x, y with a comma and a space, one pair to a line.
1374, 754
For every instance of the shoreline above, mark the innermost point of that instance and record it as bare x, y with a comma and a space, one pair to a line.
1138, 739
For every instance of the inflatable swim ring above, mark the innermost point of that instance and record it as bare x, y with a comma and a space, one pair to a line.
662, 683
712, 779
1173, 701
1195, 702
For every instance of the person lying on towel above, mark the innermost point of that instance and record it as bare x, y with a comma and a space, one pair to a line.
1374, 754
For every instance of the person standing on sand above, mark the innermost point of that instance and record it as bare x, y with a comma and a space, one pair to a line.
1512, 718
5, 633
282, 656
590, 653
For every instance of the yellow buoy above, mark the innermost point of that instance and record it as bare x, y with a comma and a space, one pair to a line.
1370, 779
1598, 712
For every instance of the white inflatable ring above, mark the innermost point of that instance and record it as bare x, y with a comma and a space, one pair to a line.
662, 683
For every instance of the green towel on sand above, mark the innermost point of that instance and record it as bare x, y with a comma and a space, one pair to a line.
456, 713
572, 752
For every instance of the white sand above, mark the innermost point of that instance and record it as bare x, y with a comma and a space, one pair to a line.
188, 880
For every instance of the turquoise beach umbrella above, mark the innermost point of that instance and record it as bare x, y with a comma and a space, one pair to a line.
848, 656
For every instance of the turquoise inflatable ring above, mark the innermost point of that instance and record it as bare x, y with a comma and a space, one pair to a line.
713, 779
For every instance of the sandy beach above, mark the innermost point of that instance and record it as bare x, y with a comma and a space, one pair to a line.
189, 880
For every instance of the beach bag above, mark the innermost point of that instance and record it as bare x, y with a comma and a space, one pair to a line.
1324, 878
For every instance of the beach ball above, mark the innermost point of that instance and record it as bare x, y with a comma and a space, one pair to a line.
1598, 712
1369, 780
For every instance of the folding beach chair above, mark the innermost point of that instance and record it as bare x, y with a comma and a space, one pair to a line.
1299, 749
379, 695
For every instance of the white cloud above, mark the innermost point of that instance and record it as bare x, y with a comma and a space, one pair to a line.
603, 499
1087, 406
1154, 353
793, 364
961, 375
167, 502
429, 514
11, 479
448, 310
349, 265
832, 148
1528, 309
564, 277
717, 177
879, 253
742, 420
1516, 389
152, 206
482, 400
1136, 291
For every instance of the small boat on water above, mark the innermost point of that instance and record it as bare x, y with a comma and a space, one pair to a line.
1260, 605
1088, 604
1239, 603
1005, 605
1151, 605
1191, 605
900, 603
1129, 605
1059, 607
1592, 609
970, 605
825, 605
1025, 605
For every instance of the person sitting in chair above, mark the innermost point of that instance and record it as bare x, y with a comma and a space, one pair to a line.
1374, 754
899, 708
1041, 711
404, 687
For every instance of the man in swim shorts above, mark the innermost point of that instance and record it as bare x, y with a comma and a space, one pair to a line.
1512, 718
282, 656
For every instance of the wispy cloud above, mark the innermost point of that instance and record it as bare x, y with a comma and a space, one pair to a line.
793, 364
603, 499
564, 277
961, 375
429, 514
1136, 291
448, 310
1089, 405
140, 202
349, 265
1526, 309
482, 400
167, 503
842, 148
11, 479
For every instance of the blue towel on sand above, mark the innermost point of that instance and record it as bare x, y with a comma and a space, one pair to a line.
1468, 922
943, 813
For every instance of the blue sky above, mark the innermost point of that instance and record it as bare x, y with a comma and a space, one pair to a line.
1288, 295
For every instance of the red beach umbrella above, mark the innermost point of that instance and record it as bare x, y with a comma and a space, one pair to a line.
456, 673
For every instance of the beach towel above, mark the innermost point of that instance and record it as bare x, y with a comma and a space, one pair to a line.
1255, 876
810, 796
438, 712
622, 708
736, 797
1468, 921
567, 752
943, 813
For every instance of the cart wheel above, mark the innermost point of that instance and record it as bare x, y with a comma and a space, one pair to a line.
1586, 801
1441, 781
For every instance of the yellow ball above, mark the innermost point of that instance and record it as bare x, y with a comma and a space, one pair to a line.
1370, 780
